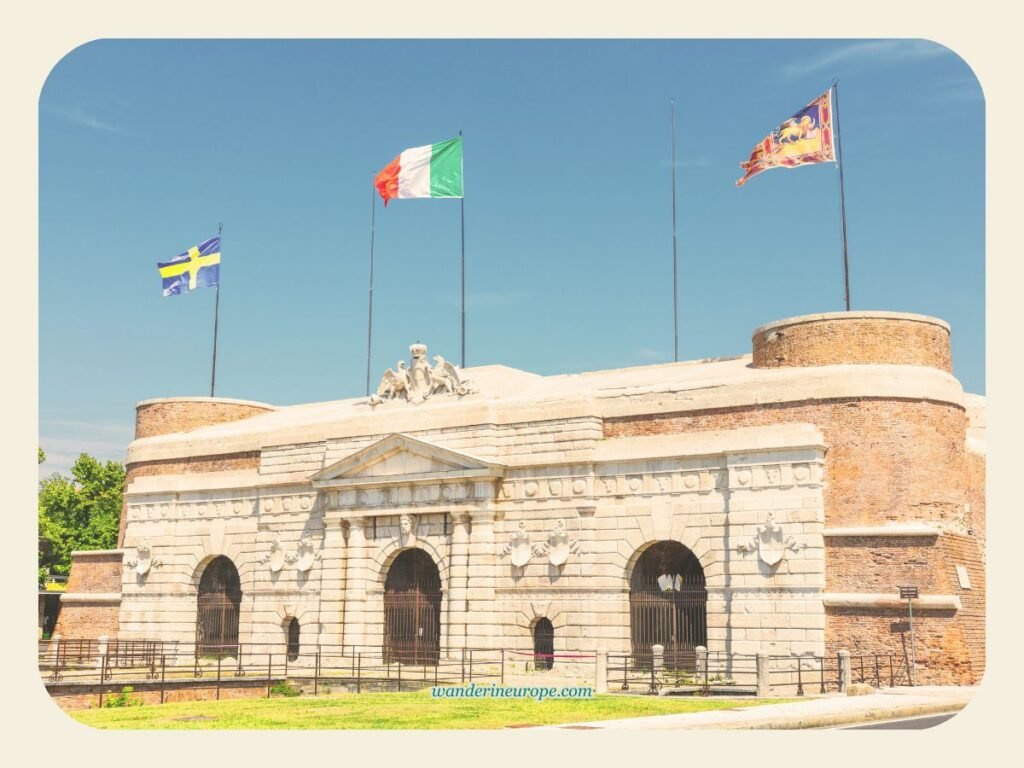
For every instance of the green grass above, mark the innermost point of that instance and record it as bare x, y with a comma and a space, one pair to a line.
394, 711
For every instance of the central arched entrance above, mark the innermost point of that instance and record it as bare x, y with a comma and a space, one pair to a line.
668, 605
220, 599
412, 609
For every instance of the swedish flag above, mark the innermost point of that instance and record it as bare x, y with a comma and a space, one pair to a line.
198, 267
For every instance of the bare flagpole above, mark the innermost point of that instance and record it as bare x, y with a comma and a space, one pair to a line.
675, 270
216, 319
369, 324
462, 224
842, 190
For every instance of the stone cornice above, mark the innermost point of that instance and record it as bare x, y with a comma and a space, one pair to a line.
885, 600
883, 530
108, 598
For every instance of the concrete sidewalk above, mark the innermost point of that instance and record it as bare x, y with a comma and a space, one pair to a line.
818, 712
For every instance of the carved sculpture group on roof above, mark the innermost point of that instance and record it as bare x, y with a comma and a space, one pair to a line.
419, 381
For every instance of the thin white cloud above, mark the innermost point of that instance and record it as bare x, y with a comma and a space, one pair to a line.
79, 116
118, 428
863, 55
646, 353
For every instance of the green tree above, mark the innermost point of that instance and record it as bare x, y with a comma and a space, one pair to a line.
79, 512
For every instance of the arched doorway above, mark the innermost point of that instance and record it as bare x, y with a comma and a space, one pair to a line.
668, 605
220, 598
543, 644
412, 609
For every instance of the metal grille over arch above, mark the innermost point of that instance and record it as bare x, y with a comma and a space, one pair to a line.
412, 610
293, 639
219, 603
543, 644
668, 605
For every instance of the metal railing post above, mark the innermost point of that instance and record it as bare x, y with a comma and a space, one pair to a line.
471, 665
219, 659
316, 673
821, 667
359, 672
163, 676
892, 676
878, 677
463, 673
799, 677
270, 663
399, 677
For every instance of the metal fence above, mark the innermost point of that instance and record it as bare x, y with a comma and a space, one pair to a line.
718, 673
114, 664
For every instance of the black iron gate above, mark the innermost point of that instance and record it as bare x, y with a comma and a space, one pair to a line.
412, 610
668, 606
220, 599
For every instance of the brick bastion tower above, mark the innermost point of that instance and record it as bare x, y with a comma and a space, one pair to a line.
787, 493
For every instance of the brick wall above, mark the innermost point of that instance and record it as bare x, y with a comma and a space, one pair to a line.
88, 620
950, 644
91, 573
887, 460
830, 340
95, 573
976, 495
161, 417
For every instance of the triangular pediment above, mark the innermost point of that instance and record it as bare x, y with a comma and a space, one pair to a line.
399, 458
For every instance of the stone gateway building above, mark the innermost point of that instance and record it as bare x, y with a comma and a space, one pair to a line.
772, 502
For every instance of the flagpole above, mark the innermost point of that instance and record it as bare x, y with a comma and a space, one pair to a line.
462, 225
842, 191
675, 271
216, 318
369, 325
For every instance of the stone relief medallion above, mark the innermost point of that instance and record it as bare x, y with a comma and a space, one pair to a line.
555, 487
305, 502
773, 475
608, 483
801, 472
743, 477
663, 483
268, 505
518, 548
636, 483
579, 486
690, 481
530, 489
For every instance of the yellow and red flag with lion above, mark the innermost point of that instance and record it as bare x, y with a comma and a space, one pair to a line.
802, 139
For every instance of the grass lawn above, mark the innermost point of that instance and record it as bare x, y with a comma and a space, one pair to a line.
394, 711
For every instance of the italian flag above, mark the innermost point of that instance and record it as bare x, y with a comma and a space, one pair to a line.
431, 171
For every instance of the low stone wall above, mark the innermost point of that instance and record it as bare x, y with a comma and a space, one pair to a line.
88, 696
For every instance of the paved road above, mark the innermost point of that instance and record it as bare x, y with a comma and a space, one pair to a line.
903, 724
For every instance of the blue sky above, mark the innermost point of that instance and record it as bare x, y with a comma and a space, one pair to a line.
146, 145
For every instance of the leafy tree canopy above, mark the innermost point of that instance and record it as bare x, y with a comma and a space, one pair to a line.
78, 512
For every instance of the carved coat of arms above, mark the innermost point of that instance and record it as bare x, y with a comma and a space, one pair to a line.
559, 546
419, 381
518, 548
143, 560
770, 542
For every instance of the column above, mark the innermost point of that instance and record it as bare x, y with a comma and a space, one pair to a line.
355, 583
458, 573
332, 575
484, 630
